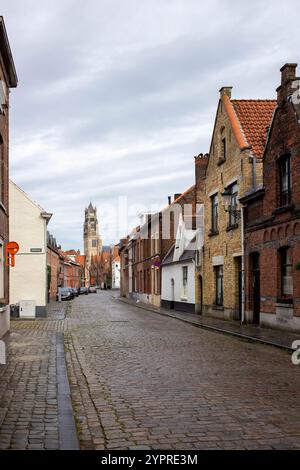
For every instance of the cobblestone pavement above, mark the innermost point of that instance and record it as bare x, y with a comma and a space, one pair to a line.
29, 408
141, 380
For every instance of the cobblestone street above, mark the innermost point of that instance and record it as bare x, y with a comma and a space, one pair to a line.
140, 380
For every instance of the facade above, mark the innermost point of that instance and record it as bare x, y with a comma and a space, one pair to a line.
234, 167
101, 269
124, 267
80, 259
272, 219
53, 266
92, 239
29, 277
8, 79
178, 272
142, 253
115, 269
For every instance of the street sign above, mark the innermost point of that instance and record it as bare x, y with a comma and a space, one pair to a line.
11, 250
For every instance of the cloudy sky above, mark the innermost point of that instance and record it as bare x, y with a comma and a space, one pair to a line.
115, 97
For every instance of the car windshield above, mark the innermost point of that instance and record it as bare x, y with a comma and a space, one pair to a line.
64, 290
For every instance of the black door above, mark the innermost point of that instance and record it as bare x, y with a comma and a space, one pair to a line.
256, 288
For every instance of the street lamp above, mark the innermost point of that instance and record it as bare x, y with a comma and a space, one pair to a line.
227, 204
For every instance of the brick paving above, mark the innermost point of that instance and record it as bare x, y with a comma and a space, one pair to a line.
272, 337
140, 380
29, 400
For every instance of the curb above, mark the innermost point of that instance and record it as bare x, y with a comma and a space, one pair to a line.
250, 339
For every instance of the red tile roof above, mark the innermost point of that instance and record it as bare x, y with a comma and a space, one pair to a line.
255, 117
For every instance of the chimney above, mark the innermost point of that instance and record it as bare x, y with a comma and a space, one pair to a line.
226, 90
287, 87
200, 173
169, 200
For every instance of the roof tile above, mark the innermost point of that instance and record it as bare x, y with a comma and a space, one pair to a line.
255, 117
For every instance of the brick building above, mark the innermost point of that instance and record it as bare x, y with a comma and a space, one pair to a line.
53, 266
141, 254
272, 219
124, 267
8, 79
234, 166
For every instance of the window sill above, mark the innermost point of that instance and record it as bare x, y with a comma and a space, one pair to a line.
285, 303
283, 209
213, 234
232, 227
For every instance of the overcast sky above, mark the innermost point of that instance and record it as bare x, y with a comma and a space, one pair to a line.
115, 97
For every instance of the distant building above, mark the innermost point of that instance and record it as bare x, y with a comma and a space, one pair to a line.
8, 79
92, 239
115, 268
53, 266
28, 279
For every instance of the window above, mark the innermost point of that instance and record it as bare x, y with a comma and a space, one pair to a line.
285, 180
214, 213
94, 243
184, 281
286, 273
233, 220
219, 286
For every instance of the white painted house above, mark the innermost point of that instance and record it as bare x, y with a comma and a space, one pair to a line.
28, 279
179, 269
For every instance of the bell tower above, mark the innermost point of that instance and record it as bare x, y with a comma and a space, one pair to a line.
92, 239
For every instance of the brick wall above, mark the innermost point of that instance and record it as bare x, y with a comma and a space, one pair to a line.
269, 226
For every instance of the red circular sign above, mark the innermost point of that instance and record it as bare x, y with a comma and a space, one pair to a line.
12, 248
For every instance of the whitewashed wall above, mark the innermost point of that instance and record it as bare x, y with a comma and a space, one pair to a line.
116, 275
174, 271
28, 279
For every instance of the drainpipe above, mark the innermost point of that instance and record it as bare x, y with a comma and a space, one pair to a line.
243, 265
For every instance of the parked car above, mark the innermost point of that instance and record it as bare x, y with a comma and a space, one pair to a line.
92, 290
83, 290
71, 292
65, 294
75, 291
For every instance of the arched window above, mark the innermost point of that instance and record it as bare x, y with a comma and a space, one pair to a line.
286, 273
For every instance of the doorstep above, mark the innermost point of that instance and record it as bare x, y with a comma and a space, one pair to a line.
277, 338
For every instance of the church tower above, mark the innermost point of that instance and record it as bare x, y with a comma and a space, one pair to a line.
92, 239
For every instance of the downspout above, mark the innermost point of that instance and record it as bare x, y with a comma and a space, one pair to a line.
243, 264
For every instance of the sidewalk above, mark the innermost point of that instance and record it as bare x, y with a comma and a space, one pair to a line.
276, 338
